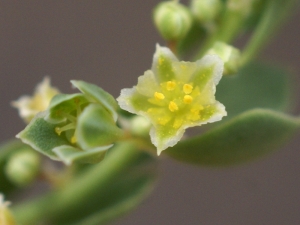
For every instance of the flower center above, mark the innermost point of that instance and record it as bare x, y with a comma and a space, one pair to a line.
71, 125
175, 101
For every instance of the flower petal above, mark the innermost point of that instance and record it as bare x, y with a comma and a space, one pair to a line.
209, 68
162, 64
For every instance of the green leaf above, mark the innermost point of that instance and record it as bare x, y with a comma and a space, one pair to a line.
41, 136
63, 104
69, 154
256, 86
246, 137
96, 127
97, 94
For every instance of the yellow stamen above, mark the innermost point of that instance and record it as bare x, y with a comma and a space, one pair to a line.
173, 106
187, 89
58, 130
187, 99
159, 96
73, 140
171, 85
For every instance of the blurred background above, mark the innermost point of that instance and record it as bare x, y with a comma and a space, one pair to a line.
111, 43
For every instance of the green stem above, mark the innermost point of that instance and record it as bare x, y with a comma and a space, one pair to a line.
56, 205
275, 12
227, 30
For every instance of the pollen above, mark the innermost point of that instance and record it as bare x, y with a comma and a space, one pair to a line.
171, 85
187, 99
187, 89
159, 96
173, 106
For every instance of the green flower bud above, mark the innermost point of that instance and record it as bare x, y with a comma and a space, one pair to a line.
231, 56
140, 126
172, 19
206, 10
6, 217
23, 167
243, 7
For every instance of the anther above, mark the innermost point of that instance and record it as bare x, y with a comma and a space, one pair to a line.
187, 99
173, 106
159, 96
187, 89
171, 85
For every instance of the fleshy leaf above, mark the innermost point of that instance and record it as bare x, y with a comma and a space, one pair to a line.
96, 127
248, 136
41, 136
62, 105
256, 85
97, 94
69, 154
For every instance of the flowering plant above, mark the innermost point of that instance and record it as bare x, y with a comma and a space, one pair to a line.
98, 154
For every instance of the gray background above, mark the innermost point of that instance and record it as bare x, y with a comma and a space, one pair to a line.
110, 43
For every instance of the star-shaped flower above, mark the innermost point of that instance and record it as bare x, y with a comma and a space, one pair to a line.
175, 95
29, 106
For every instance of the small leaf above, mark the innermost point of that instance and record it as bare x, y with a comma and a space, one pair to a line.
69, 154
41, 136
97, 94
248, 136
62, 105
256, 86
96, 127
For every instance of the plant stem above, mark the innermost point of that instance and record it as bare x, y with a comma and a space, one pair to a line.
55, 205
276, 11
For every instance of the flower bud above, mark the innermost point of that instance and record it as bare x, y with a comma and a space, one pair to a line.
6, 217
172, 19
206, 10
23, 167
244, 7
229, 55
140, 126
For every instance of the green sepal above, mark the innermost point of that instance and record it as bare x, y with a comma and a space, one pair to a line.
69, 154
246, 137
257, 85
96, 127
97, 94
41, 136
62, 105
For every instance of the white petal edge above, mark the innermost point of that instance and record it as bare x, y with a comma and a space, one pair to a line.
209, 60
162, 51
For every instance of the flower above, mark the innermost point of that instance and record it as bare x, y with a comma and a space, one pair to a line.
29, 106
6, 218
175, 95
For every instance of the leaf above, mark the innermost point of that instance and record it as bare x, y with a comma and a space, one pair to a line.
96, 127
69, 154
97, 94
246, 137
41, 136
62, 105
256, 86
